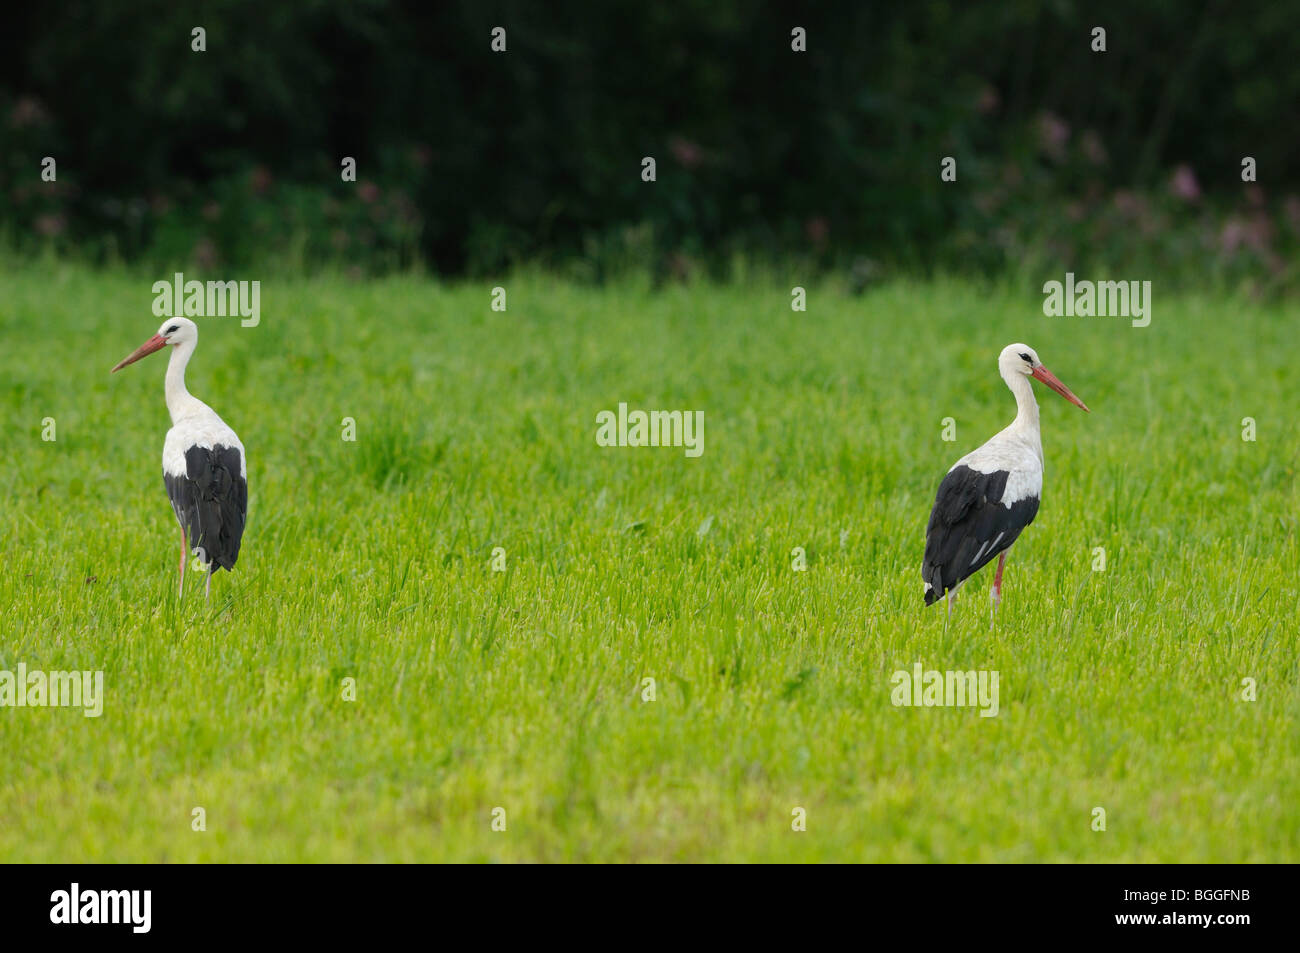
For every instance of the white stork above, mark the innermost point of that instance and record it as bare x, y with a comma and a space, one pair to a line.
203, 461
992, 493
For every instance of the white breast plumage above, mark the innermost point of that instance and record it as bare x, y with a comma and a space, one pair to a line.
200, 430
1017, 458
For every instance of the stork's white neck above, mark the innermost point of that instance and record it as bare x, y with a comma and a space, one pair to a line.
1026, 406
180, 403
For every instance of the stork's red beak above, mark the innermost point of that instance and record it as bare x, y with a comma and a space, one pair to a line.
1047, 377
155, 343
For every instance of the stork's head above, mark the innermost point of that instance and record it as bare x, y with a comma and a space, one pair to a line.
174, 331
1023, 359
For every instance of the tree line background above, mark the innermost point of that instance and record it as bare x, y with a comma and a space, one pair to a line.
471, 161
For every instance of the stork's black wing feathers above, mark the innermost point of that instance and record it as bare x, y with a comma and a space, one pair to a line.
969, 526
211, 502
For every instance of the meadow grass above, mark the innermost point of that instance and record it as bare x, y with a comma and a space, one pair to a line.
523, 689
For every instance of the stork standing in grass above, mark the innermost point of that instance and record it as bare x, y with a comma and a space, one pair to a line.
203, 461
992, 493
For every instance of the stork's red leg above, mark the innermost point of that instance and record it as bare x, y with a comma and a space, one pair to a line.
997, 578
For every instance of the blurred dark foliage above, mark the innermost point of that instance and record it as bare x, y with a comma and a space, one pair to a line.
471, 161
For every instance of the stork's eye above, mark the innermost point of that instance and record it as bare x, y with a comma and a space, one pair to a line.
176, 327
1027, 358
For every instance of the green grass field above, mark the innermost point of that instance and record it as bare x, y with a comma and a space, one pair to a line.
522, 689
